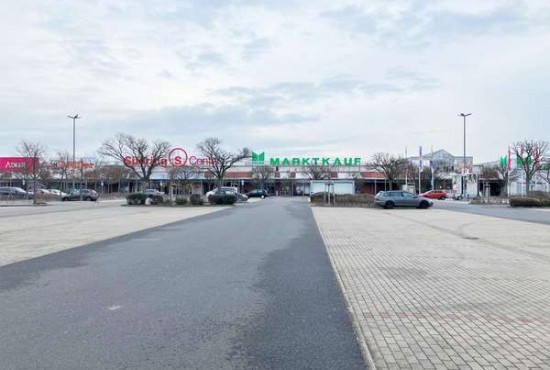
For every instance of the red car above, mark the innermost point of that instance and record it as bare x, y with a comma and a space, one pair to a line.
435, 194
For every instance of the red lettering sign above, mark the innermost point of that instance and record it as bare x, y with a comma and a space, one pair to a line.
18, 164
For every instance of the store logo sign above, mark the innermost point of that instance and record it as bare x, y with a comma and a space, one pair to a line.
258, 159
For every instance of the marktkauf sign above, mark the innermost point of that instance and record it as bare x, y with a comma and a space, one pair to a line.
17, 164
258, 159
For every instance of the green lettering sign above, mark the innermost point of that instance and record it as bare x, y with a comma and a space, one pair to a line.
259, 159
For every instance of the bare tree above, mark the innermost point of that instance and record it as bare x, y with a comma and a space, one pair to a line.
60, 166
529, 154
34, 151
137, 154
504, 175
220, 160
388, 164
114, 174
45, 173
181, 176
261, 174
317, 172
545, 169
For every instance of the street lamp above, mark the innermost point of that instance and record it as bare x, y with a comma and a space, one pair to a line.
464, 115
74, 118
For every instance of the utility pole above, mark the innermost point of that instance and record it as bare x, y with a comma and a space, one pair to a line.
464, 115
74, 118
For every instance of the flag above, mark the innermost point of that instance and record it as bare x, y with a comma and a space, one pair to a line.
537, 159
504, 162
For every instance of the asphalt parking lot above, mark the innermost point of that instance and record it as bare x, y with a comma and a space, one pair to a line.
249, 287
33, 231
536, 215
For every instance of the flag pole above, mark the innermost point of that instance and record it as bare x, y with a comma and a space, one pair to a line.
406, 170
508, 165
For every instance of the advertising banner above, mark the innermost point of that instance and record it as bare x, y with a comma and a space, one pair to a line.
18, 164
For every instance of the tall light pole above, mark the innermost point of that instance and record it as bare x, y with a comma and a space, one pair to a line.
74, 118
464, 115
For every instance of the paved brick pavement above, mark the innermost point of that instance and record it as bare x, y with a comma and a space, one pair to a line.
433, 289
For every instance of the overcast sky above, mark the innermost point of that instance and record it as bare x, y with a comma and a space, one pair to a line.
333, 78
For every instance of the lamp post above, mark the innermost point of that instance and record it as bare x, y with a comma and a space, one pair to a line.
464, 115
74, 118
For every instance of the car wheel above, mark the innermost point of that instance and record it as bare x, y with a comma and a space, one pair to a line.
424, 205
263, 196
63, 199
442, 198
389, 205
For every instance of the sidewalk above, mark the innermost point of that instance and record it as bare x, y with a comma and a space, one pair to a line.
443, 290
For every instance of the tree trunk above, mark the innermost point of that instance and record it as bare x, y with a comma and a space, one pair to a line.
35, 191
171, 191
144, 185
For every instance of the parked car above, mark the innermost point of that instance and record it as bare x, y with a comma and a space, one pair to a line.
391, 199
222, 191
43, 192
14, 192
435, 194
152, 192
57, 192
257, 193
87, 194
232, 188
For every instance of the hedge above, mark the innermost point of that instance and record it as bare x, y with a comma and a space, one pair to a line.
222, 199
196, 200
526, 202
157, 199
136, 199
359, 200
181, 201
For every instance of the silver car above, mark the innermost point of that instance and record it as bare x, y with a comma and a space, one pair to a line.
398, 198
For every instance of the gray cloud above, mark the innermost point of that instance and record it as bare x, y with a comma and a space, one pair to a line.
305, 92
422, 24
256, 47
209, 118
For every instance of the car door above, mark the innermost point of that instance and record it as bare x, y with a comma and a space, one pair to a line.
409, 199
397, 198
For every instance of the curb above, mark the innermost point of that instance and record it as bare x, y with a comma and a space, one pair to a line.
361, 339
359, 334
